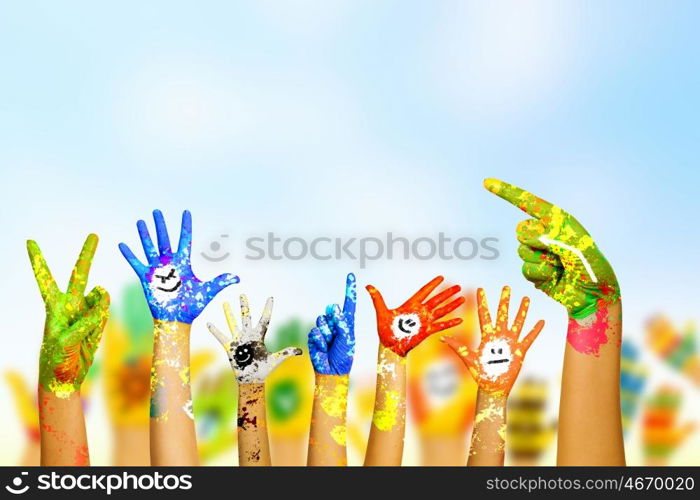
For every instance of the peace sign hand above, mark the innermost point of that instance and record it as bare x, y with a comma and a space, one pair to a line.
497, 361
405, 327
172, 290
560, 257
74, 322
249, 357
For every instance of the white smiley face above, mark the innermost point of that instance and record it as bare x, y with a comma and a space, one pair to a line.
405, 325
440, 382
165, 283
495, 358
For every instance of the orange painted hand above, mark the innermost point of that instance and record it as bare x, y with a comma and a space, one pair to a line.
405, 327
496, 363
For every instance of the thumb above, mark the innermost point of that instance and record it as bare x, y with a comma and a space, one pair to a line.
213, 287
377, 299
91, 323
468, 357
279, 356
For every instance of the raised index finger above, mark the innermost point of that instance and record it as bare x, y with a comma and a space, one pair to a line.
350, 296
524, 200
79, 276
47, 285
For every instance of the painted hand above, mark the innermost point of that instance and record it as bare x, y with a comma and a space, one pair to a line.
560, 257
661, 434
405, 327
126, 359
633, 375
249, 357
496, 363
678, 350
529, 432
74, 322
214, 405
332, 342
172, 290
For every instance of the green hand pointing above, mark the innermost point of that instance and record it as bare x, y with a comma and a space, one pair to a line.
74, 322
560, 257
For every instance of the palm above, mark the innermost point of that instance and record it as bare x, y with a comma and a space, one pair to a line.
172, 290
495, 365
74, 322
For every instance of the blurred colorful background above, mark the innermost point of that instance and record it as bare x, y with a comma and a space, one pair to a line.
352, 119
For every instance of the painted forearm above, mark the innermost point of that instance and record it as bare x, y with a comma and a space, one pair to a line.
385, 446
253, 445
62, 428
590, 430
171, 400
327, 440
488, 437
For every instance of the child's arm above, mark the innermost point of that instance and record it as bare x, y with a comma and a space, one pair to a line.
400, 330
251, 363
332, 348
74, 324
495, 366
176, 297
561, 259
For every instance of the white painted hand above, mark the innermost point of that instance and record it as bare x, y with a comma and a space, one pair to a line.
250, 359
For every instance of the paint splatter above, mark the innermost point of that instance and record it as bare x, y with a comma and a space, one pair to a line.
405, 327
559, 256
250, 360
588, 334
74, 322
496, 363
332, 341
172, 290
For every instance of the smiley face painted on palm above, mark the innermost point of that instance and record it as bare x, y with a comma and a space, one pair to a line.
406, 325
245, 355
165, 283
495, 358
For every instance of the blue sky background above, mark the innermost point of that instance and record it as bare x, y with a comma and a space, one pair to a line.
348, 119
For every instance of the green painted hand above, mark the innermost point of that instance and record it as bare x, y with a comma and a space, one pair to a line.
560, 257
74, 322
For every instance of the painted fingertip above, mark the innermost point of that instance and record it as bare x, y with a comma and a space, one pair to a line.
297, 351
321, 321
231, 279
491, 184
